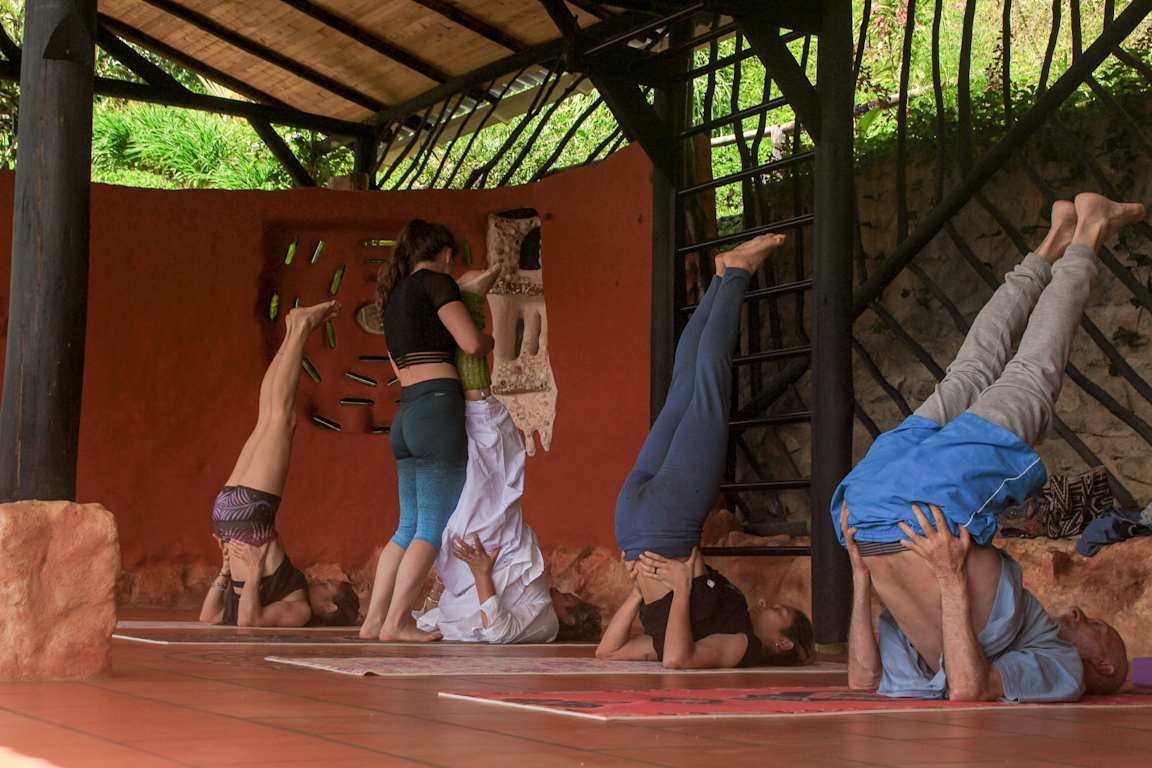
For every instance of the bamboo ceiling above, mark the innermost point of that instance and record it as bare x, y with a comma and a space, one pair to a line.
284, 51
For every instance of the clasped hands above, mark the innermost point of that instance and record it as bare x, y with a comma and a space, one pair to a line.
676, 575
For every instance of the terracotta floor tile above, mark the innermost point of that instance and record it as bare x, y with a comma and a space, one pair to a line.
429, 744
746, 757
377, 761
163, 706
609, 736
377, 723
251, 749
567, 759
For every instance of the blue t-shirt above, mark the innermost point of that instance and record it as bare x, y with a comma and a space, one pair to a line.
1020, 639
970, 468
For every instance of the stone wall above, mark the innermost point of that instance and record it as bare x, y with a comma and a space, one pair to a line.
784, 452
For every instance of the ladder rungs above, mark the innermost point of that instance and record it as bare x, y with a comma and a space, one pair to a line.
797, 417
775, 165
772, 354
724, 61
796, 222
764, 293
711, 125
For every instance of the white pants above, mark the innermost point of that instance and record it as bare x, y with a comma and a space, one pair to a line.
489, 507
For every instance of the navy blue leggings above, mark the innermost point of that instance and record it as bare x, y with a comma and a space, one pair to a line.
431, 450
677, 475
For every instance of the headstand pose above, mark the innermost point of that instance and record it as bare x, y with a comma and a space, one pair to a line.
692, 616
490, 563
425, 320
958, 622
258, 586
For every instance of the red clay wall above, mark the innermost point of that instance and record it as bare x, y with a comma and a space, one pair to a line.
176, 349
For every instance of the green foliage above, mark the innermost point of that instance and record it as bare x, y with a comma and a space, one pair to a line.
179, 148
153, 146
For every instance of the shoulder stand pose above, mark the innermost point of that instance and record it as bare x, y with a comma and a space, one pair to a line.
918, 513
425, 320
258, 586
692, 616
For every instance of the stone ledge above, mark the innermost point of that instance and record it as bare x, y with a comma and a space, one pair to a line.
59, 562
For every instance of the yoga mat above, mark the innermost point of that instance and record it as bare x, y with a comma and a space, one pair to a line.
283, 636
199, 625
749, 702
1142, 673
519, 665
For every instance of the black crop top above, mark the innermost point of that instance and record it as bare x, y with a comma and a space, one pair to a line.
413, 329
716, 607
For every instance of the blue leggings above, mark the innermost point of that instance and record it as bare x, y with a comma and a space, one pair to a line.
677, 474
431, 450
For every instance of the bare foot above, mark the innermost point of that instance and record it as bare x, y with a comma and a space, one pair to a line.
408, 633
1098, 218
1060, 235
370, 629
311, 318
750, 254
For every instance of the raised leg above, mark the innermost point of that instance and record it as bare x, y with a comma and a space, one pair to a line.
999, 325
1023, 399
689, 479
655, 448
263, 462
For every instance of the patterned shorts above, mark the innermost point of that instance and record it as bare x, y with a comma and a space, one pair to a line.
245, 514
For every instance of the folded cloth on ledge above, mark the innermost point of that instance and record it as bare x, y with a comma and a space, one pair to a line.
1112, 526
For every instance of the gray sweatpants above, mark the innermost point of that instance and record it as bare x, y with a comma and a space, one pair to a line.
1038, 306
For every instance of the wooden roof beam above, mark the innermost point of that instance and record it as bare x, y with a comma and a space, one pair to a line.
122, 89
533, 55
464, 19
159, 48
591, 8
154, 75
369, 40
251, 47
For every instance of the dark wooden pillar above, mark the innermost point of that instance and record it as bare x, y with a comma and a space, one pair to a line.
832, 320
44, 364
365, 155
667, 267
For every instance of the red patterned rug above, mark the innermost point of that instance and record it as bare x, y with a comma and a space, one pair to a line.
747, 702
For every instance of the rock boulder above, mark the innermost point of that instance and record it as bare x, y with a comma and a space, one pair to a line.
59, 564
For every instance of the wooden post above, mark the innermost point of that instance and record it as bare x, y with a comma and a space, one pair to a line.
832, 320
44, 366
667, 265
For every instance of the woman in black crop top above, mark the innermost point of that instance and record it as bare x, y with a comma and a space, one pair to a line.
692, 616
425, 320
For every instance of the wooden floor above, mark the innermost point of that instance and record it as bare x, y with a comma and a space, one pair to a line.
163, 706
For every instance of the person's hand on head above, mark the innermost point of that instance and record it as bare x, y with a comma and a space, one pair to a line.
225, 565
252, 557
945, 554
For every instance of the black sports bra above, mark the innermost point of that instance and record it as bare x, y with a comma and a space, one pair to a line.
413, 329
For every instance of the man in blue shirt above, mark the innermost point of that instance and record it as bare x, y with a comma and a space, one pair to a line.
958, 622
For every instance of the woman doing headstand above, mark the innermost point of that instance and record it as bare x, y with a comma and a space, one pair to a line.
692, 616
258, 586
